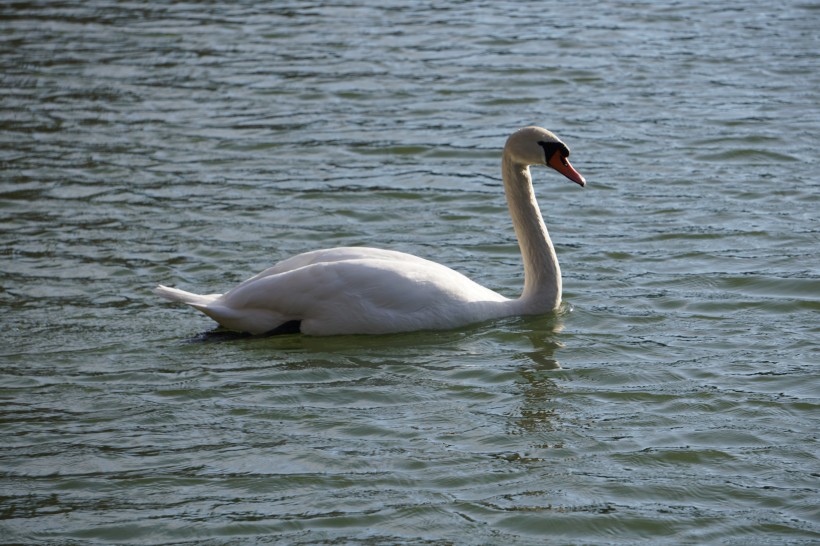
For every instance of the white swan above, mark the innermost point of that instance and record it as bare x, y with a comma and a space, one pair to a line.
359, 290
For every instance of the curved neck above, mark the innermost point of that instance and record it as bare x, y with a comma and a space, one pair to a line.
542, 276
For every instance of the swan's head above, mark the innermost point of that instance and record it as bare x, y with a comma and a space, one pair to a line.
537, 146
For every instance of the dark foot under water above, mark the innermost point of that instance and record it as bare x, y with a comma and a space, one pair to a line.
219, 335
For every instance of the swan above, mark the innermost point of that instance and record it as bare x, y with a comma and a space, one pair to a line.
361, 290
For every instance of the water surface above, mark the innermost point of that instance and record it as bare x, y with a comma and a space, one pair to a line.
673, 400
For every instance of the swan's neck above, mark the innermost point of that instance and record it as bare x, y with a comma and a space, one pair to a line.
542, 276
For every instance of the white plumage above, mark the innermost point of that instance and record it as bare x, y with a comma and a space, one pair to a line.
360, 290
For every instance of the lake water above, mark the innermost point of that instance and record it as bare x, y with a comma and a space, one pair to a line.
674, 400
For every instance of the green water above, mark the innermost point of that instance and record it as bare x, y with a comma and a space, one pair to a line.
674, 400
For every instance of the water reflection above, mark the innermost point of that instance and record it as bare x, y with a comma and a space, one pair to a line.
536, 412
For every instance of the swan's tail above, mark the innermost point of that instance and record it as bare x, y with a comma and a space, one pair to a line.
181, 296
252, 320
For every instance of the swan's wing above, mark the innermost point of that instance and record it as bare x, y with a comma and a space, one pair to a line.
339, 254
364, 295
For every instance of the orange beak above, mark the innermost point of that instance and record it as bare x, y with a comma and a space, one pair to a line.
560, 164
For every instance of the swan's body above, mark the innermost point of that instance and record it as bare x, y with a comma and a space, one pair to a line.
360, 290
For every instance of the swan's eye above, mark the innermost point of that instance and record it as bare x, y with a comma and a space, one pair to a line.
551, 147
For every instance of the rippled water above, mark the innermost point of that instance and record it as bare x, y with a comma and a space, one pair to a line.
675, 400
